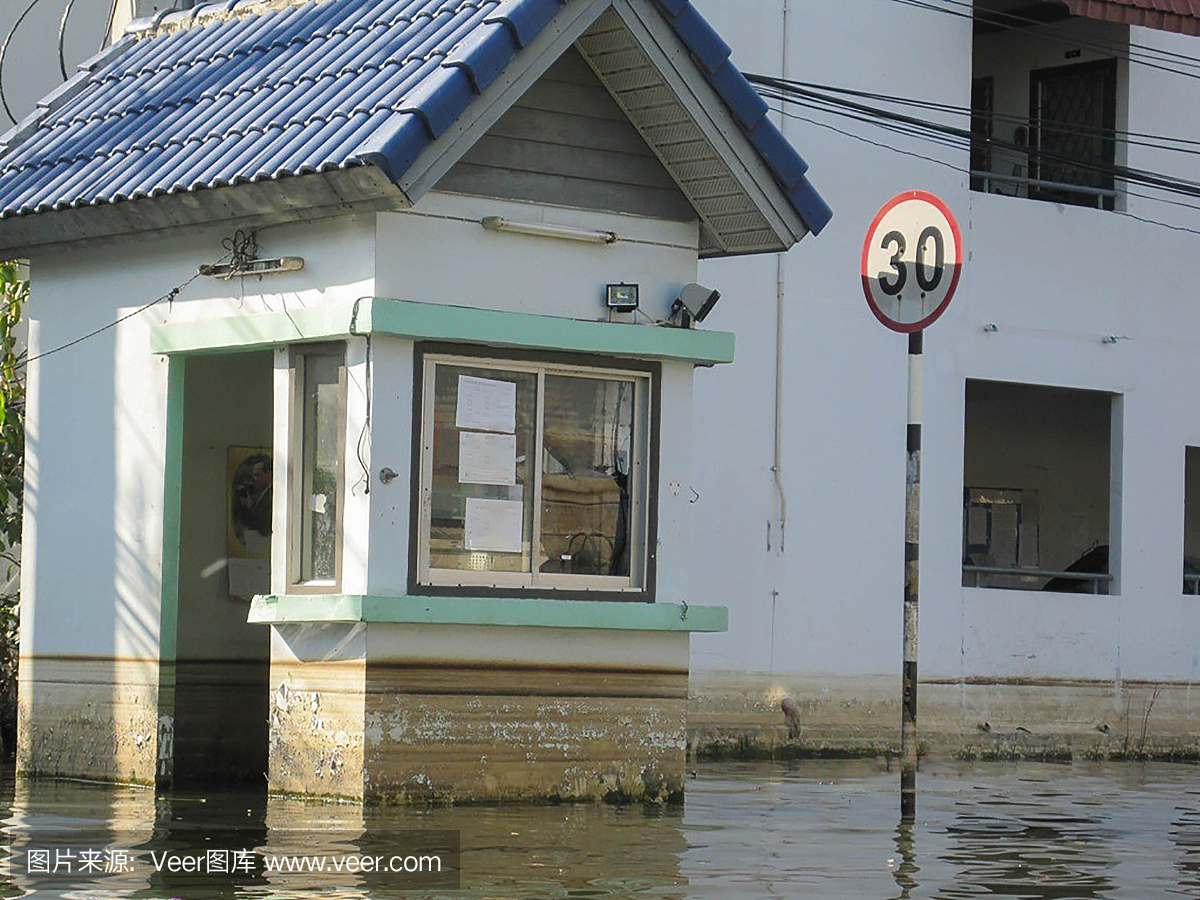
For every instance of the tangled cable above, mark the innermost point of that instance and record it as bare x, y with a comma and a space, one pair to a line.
242, 248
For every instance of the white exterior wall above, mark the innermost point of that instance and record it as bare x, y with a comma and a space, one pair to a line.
439, 253
1054, 280
90, 459
401, 255
79, 473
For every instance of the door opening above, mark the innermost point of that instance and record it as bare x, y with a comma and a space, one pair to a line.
216, 707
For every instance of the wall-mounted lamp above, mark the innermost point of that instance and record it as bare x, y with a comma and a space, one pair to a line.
546, 229
271, 266
621, 297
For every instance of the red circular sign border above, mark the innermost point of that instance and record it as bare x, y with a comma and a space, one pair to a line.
866, 281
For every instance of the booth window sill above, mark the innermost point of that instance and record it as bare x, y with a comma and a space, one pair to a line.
501, 611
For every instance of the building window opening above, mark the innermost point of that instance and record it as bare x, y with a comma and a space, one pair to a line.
1046, 103
1038, 474
533, 475
1191, 521
319, 434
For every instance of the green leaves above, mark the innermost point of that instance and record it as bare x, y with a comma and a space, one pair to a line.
14, 292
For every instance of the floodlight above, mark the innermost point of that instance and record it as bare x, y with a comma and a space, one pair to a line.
695, 303
621, 297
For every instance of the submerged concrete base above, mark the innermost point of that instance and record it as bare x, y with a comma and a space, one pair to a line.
87, 717
737, 715
387, 712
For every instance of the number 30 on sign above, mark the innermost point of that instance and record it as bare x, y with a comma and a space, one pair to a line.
911, 261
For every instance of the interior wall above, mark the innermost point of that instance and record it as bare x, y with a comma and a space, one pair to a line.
1009, 55
1191, 502
1051, 440
222, 665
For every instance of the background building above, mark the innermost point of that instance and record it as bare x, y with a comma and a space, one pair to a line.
1058, 411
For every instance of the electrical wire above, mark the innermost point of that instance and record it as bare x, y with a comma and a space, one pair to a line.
62, 37
1145, 139
917, 135
953, 136
169, 297
4, 54
242, 248
961, 170
1144, 55
936, 139
364, 436
1014, 21
108, 25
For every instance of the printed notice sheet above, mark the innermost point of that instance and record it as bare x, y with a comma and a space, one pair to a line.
485, 458
248, 577
486, 405
494, 525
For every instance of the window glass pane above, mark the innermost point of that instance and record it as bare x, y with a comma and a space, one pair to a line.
481, 501
321, 466
586, 460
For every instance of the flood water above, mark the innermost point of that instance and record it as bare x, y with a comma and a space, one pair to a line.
811, 829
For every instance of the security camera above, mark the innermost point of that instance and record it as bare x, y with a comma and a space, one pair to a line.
694, 303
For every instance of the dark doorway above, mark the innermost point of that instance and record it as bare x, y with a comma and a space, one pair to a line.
222, 664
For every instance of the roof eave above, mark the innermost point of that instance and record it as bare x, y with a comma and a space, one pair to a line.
705, 84
337, 192
1178, 21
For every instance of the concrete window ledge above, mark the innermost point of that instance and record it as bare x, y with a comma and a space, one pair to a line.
441, 322
278, 609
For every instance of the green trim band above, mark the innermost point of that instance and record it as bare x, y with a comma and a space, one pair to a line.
168, 622
439, 322
536, 612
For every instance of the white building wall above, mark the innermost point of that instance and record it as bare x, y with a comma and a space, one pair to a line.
1055, 281
89, 456
439, 253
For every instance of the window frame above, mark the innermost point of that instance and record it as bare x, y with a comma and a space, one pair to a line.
983, 118
423, 580
297, 364
1086, 196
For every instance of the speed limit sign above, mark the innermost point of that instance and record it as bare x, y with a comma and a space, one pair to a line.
911, 261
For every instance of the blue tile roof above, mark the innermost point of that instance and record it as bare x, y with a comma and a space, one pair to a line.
237, 91
713, 55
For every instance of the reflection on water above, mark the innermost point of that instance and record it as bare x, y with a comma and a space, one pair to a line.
1185, 832
1028, 844
905, 862
807, 829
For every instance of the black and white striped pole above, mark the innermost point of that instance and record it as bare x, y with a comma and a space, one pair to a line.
911, 261
912, 558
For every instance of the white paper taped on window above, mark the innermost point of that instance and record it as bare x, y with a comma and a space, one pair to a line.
486, 458
248, 577
485, 404
494, 525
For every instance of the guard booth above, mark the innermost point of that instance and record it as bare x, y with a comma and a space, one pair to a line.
372, 472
